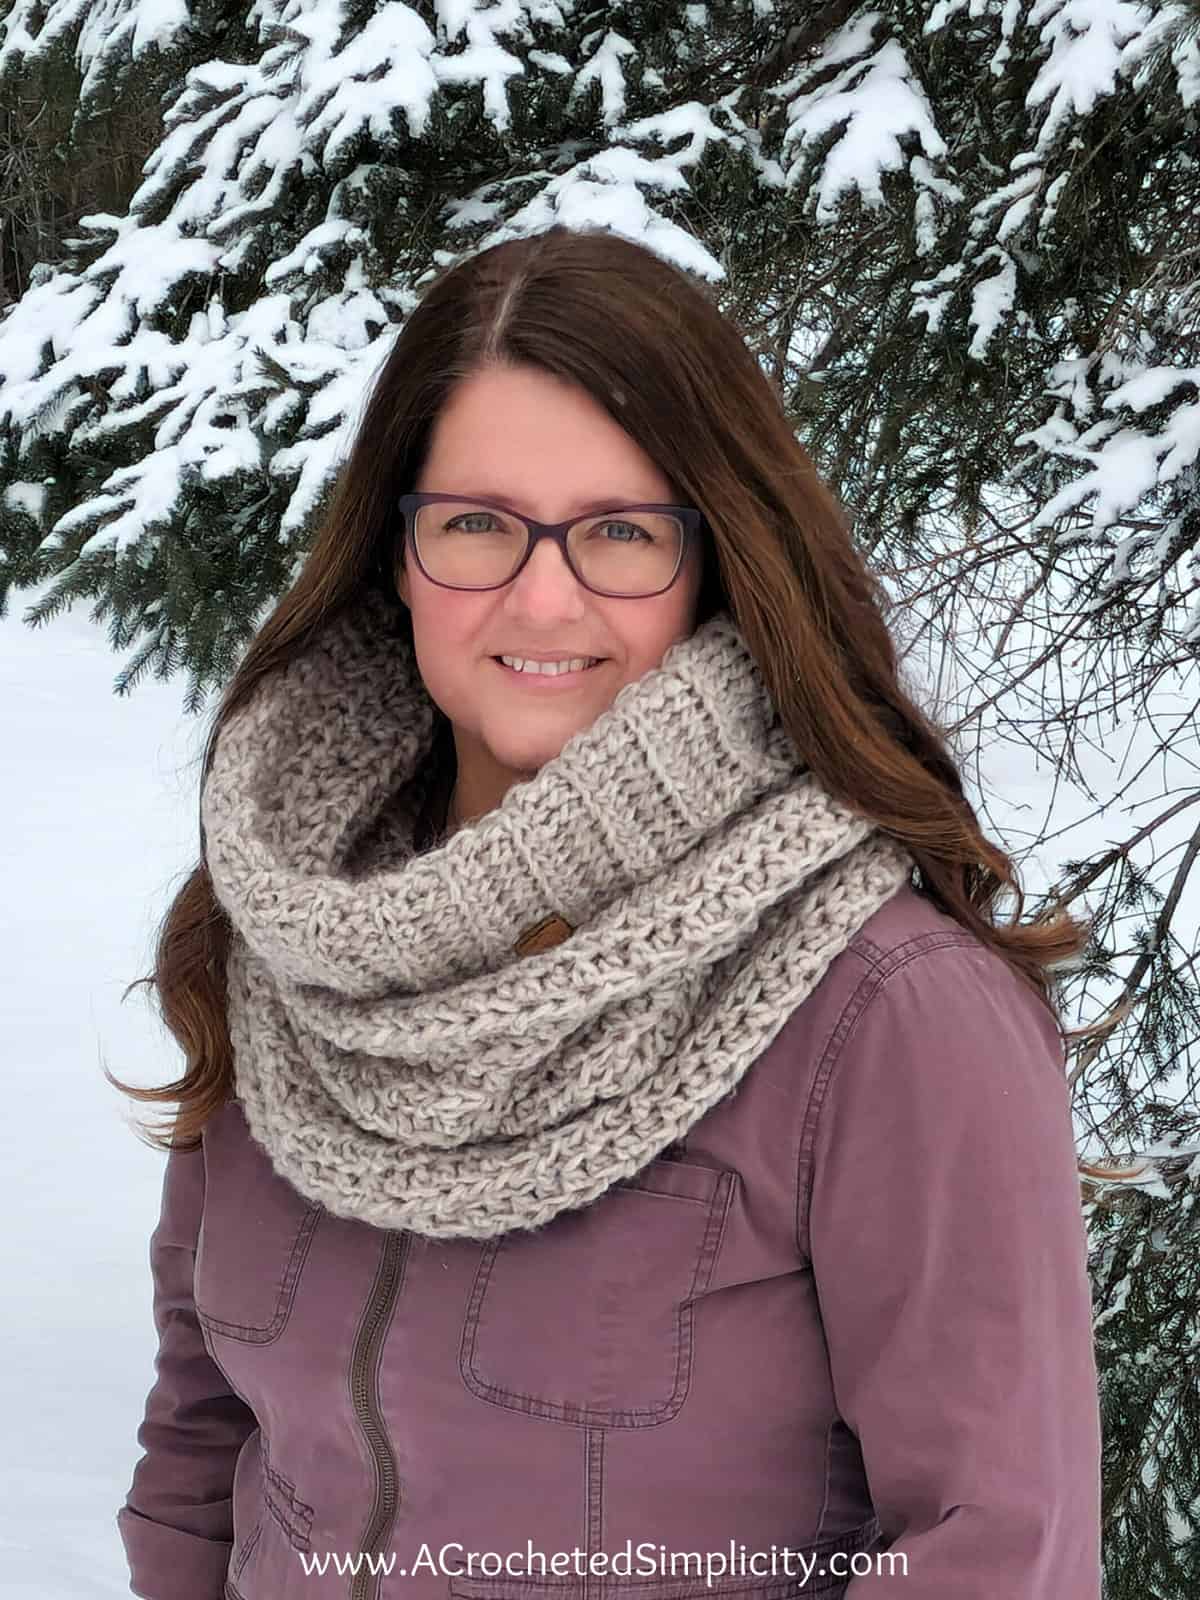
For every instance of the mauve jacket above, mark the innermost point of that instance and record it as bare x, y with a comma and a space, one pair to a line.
837, 1339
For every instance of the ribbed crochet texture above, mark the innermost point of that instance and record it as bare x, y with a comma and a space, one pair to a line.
395, 1058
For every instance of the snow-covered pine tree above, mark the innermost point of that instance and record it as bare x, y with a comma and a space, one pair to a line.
960, 236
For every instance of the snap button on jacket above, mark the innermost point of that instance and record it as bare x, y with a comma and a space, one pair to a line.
847, 1316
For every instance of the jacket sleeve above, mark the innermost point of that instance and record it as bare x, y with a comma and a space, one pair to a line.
177, 1520
949, 1254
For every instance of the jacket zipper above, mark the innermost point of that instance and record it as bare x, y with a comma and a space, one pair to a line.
364, 1394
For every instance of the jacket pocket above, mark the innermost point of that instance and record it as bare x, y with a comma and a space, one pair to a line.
271, 1523
247, 1514
290, 1512
253, 1241
588, 1319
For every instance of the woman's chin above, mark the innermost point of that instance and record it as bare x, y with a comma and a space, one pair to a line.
527, 756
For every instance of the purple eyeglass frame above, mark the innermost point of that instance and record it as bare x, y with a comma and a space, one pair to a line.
691, 518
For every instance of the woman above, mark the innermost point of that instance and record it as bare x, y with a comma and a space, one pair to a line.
633, 1161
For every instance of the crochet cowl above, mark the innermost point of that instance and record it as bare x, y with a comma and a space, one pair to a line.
402, 1054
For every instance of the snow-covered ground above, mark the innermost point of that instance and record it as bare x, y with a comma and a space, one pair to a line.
98, 824
97, 828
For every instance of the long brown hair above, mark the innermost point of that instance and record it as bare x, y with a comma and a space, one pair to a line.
649, 344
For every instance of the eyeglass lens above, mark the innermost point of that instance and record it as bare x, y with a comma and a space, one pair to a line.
464, 544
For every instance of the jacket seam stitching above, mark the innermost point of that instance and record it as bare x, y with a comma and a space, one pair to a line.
828, 1463
247, 1550
881, 967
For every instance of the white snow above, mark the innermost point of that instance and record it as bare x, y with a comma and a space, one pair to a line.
873, 102
97, 829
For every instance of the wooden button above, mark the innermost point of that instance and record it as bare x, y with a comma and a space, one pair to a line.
543, 935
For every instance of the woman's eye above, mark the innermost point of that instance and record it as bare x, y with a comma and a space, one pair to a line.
638, 533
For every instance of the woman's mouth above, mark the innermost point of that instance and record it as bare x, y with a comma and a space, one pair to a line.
549, 675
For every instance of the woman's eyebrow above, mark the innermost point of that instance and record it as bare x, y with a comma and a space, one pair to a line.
583, 509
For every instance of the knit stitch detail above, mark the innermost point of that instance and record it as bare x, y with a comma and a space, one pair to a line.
395, 1056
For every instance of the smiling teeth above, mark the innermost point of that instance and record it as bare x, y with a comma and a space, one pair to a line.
550, 668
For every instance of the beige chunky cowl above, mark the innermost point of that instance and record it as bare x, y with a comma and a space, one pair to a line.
401, 1053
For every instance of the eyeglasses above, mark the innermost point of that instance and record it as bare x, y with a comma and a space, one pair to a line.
464, 543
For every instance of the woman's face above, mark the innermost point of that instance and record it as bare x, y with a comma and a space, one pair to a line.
544, 447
